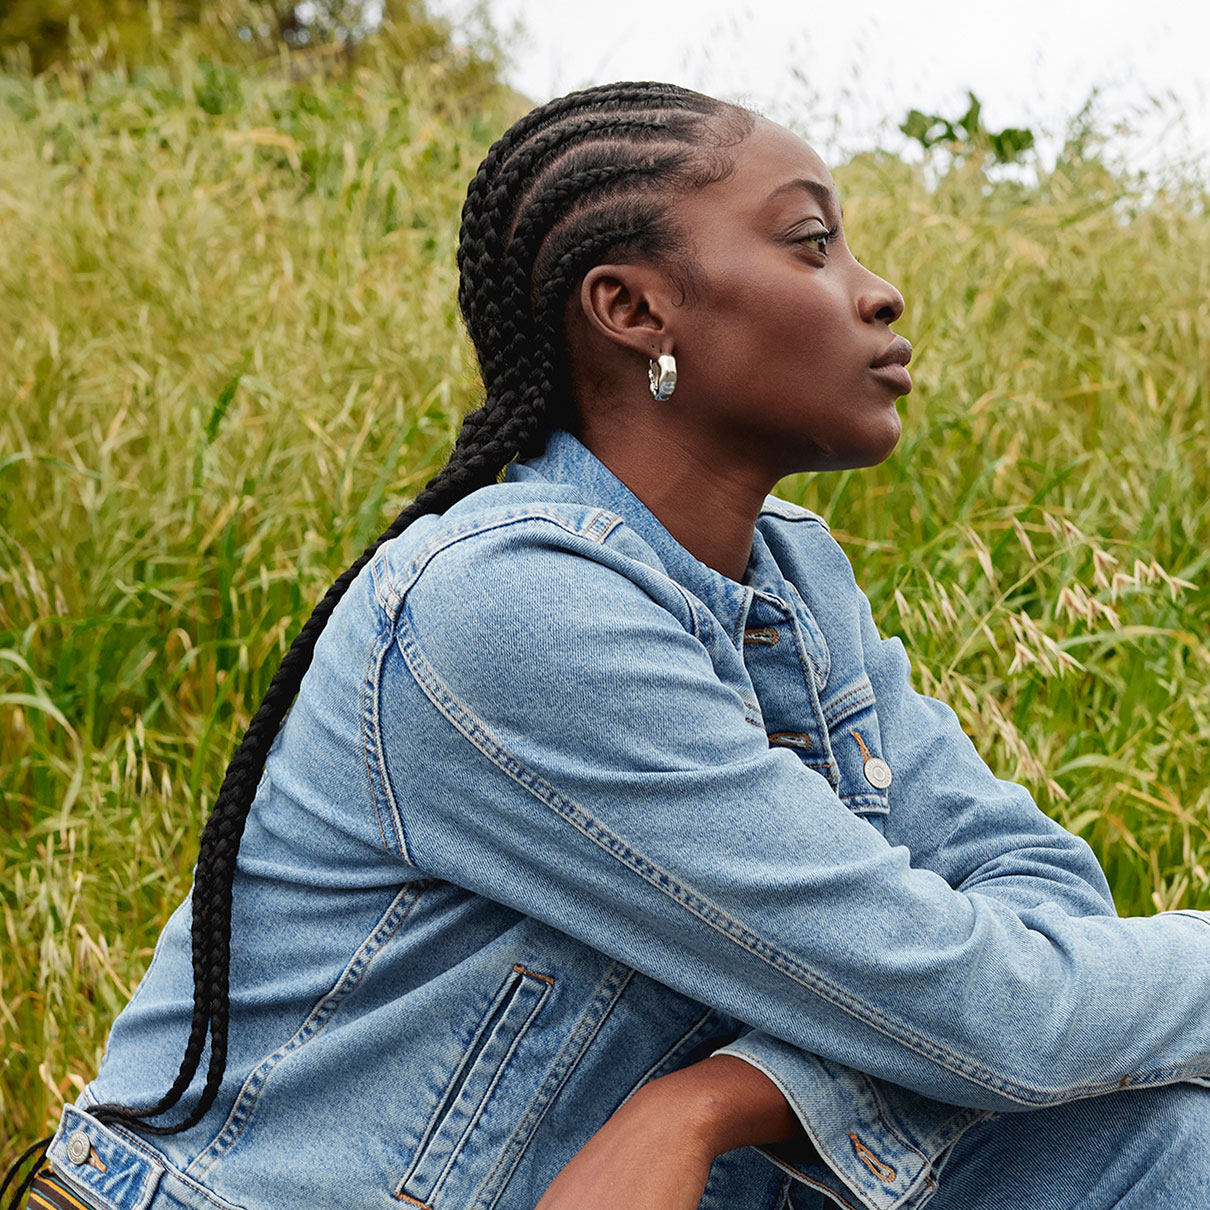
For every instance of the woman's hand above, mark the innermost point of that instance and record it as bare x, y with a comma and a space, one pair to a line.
655, 1152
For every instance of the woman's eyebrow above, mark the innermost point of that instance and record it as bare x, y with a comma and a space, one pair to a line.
822, 193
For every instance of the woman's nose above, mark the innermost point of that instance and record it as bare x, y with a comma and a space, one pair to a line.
879, 300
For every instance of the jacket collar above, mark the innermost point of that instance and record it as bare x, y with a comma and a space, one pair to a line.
566, 460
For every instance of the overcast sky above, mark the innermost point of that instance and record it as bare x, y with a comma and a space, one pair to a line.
847, 73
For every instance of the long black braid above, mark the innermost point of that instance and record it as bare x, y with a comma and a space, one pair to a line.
585, 177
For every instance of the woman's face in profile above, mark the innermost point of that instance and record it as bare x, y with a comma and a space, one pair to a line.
785, 346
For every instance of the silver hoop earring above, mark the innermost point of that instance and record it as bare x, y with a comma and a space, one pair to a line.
662, 378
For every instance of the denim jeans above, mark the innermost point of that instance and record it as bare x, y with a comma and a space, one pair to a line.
559, 809
1143, 1150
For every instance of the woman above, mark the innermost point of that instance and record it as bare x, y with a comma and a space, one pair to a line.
606, 841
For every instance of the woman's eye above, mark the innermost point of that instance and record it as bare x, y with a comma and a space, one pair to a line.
817, 241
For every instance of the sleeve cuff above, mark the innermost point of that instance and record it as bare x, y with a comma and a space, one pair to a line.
874, 1142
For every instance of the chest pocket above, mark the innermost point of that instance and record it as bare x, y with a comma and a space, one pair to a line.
810, 706
856, 743
457, 1148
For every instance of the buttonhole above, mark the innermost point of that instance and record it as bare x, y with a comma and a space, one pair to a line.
764, 636
790, 739
884, 1172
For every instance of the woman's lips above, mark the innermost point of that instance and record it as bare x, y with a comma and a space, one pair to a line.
891, 366
895, 376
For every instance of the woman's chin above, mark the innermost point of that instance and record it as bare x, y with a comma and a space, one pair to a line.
875, 447
885, 441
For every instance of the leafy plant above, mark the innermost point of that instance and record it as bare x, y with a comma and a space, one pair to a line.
968, 134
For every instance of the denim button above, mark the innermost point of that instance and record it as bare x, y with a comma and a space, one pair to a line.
78, 1147
878, 773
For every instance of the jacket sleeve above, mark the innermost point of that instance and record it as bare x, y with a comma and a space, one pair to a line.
982, 834
880, 1143
590, 769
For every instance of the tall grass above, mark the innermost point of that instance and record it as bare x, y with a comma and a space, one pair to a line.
229, 349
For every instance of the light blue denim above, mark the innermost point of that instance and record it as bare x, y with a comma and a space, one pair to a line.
559, 809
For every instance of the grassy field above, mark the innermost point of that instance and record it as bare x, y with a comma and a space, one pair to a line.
229, 349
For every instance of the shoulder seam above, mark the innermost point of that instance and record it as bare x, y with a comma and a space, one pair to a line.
390, 594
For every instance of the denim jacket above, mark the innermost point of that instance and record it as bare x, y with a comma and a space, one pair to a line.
559, 809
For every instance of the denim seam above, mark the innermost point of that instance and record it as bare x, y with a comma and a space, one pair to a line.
891, 1126
503, 517
609, 991
698, 626
806, 1180
852, 701
950, 1131
814, 671
324, 1010
452, 537
709, 913
602, 525
741, 621
804, 620
1200, 917
157, 1163
411, 1201
830, 766
798, 515
865, 800
371, 747
469, 1049
420, 561
824, 768
783, 1194
695, 620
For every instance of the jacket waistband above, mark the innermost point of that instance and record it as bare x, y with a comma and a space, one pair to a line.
108, 1169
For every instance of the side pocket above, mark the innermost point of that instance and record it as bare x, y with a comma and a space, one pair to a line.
464, 1101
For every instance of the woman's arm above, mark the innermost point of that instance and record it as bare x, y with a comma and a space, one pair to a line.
597, 774
655, 1152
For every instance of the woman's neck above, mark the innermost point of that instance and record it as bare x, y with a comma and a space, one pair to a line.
712, 514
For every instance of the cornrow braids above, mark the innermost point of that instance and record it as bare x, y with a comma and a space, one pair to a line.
587, 176
475, 214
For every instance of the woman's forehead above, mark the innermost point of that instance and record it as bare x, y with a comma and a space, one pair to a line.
772, 163
780, 155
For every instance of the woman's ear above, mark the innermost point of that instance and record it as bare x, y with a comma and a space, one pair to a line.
629, 306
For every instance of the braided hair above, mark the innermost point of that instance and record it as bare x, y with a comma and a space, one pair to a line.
587, 176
